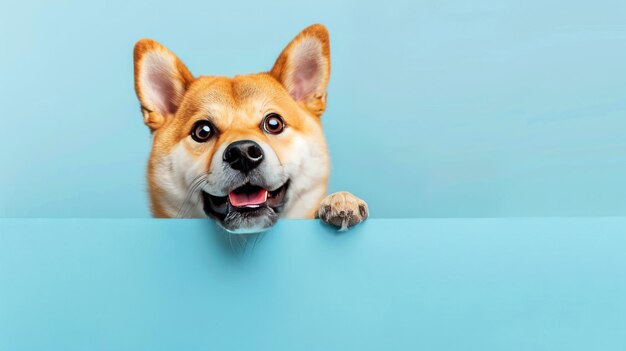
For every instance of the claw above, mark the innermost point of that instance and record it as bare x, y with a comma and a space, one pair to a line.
344, 224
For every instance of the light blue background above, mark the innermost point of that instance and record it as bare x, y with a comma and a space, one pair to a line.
439, 108
523, 284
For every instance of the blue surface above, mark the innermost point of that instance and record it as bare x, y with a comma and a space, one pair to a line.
430, 284
452, 108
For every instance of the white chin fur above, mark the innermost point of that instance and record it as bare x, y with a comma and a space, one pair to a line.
246, 230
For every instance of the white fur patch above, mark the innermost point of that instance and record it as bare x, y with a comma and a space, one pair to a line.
174, 175
307, 168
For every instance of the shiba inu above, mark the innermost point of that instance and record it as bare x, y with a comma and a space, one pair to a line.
244, 150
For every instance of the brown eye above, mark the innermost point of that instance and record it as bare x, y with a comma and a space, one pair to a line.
273, 124
202, 131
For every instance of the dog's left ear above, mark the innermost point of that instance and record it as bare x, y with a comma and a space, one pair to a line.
303, 68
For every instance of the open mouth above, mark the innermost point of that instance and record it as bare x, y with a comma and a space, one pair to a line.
247, 199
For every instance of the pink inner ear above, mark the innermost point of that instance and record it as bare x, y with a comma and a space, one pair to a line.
307, 70
161, 87
163, 91
305, 78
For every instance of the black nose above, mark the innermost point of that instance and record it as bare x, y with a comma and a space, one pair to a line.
243, 155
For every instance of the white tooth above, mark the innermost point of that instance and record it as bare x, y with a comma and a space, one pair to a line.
266, 192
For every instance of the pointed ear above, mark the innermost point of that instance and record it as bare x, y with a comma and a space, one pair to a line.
303, 68
161, 80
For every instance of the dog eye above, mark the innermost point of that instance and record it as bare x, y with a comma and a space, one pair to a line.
273, 124
202, 131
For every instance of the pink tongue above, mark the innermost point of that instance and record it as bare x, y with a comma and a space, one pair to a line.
248, 199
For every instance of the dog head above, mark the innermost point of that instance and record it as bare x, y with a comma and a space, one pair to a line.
242, 150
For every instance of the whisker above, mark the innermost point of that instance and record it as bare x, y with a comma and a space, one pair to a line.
243, 243
256, 238
195, 184
230, 241
198, 196
183, 207
261, 237
197, 201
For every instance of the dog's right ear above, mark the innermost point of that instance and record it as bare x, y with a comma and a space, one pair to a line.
161, 80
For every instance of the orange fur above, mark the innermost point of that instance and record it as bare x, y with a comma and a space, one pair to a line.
235, 107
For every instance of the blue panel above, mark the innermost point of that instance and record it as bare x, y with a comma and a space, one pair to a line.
454, 284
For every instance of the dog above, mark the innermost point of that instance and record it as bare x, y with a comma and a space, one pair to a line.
244, 150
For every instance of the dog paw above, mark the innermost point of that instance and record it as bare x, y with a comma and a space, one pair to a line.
342, 210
